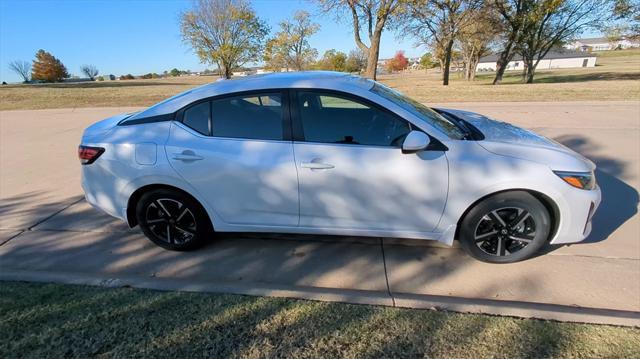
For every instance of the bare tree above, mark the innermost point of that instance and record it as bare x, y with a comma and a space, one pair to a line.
22, 69
227, 33
549, 24
439, 22
369, 16
90, 71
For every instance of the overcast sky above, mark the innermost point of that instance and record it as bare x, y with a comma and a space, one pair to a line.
141, 36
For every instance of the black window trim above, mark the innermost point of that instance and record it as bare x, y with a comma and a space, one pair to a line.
151, 119
286, 116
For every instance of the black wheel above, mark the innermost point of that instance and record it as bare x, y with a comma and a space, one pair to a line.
173, 220
505, 228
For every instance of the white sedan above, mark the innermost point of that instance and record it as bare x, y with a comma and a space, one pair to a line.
330, 153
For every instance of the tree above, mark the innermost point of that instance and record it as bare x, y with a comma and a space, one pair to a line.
226, 33
22, 69
127, 77
47, 68
427, 61
614, 33
439, 22
174, 72
550, 23
356, 61
332, 60
512, 15
290, 46
274, 58
475, 37
370, 15
626, 20
90, 71
398, 63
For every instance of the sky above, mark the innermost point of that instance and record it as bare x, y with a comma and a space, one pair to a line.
142, 36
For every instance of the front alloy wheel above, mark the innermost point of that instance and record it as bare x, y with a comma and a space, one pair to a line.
505, 231
506, 227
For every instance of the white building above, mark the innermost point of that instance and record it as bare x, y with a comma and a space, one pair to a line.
602, 44
555, 59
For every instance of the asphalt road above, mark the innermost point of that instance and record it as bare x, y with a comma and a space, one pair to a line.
48, 232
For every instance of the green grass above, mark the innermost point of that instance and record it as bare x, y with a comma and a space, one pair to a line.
50, 320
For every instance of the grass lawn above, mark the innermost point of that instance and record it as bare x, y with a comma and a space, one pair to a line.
51, 320
614, 78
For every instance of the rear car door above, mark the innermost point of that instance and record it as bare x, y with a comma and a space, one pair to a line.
352, 171
236, 152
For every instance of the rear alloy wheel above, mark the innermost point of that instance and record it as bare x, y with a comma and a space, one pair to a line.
172, 220
504, 228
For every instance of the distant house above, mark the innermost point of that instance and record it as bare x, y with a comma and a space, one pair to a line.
555, 59
263, 71
601, 44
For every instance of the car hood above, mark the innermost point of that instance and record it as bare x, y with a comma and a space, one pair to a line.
505, 139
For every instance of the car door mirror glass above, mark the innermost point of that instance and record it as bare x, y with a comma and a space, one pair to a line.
415, 141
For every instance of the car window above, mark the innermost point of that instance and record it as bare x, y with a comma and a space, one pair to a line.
337, 119
197, 117
251, 117
419, 110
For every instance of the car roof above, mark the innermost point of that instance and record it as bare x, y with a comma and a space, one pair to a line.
304, 79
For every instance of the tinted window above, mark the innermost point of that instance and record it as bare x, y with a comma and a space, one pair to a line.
253, 117
420, 110
335, 119
197, 117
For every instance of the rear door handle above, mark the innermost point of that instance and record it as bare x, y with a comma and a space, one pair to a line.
316, 165
187, 156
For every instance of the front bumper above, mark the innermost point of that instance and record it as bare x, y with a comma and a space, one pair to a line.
576, 211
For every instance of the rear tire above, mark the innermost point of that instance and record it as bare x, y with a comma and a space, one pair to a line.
505, 228
173, 220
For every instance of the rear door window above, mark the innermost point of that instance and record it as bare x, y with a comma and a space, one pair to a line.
252, 117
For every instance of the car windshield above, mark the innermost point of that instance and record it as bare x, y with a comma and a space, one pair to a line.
420, 110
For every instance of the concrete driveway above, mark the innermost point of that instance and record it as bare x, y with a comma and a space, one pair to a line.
48, 232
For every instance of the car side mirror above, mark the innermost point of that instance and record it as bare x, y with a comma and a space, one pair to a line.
415, 141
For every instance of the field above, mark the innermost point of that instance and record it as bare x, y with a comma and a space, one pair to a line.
614, 78
50, 320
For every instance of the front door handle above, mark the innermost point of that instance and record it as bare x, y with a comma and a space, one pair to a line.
187, 156
316, 165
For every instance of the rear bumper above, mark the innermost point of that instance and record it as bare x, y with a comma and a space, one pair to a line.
99, 193
576, 214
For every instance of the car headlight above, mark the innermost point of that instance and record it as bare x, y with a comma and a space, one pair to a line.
582, 180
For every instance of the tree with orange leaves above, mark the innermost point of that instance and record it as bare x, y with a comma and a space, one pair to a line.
47, 68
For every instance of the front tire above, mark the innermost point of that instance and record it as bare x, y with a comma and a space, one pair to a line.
505, 228
173, 220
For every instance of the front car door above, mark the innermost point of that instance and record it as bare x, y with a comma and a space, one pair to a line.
235, 151
352, 172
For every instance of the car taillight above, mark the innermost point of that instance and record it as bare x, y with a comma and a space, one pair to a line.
88, 154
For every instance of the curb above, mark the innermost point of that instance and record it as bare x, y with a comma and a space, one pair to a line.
563, 313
